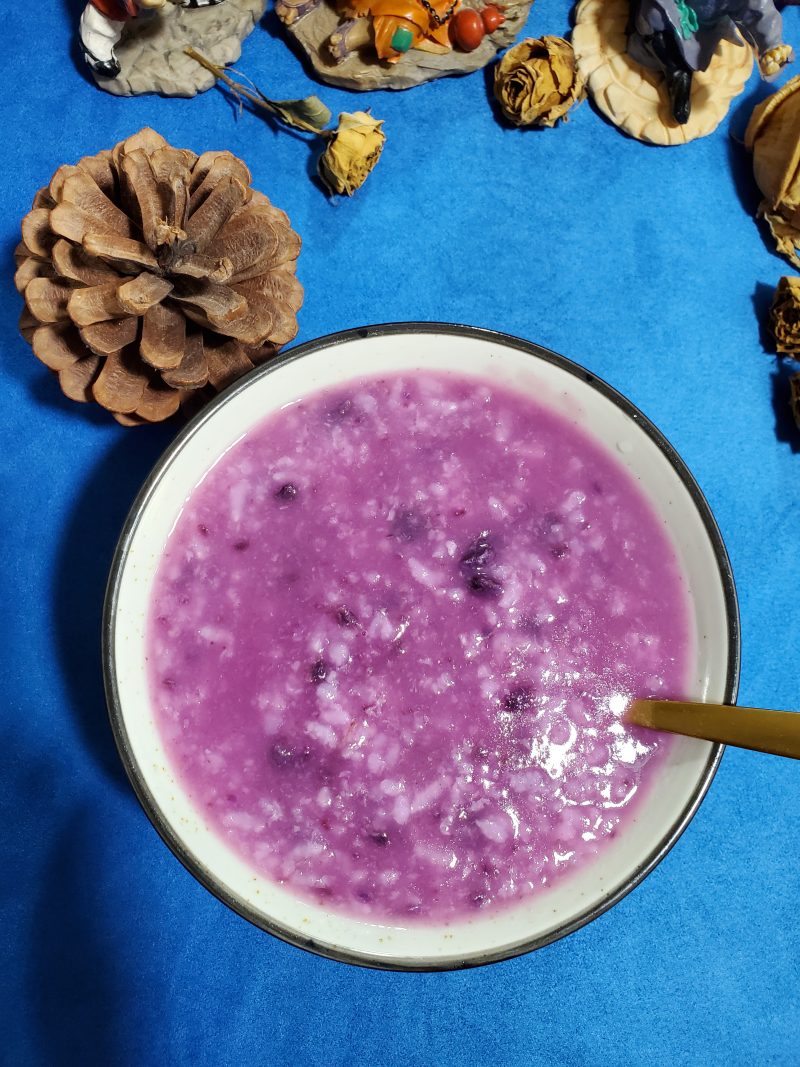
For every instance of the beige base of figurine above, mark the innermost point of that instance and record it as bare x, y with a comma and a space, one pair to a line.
151, 52
364, 71
635, 98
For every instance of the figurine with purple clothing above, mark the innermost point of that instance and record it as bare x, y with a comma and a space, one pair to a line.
680, 38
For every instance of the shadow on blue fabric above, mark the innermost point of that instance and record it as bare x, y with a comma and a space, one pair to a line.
785, 427
76, 997
74, 10
87, 546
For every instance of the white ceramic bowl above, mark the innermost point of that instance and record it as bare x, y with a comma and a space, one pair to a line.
684, 778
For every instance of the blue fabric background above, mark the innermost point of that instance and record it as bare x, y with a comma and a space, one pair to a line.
643, 264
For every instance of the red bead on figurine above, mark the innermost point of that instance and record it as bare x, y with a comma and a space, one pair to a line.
467, 29
492, 18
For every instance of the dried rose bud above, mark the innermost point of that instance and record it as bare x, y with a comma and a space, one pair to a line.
784, 317
352, 152
537, 82
773, 136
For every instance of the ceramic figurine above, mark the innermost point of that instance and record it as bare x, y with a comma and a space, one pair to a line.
393, 27
102, 24
666, 71
680, 38
395, 44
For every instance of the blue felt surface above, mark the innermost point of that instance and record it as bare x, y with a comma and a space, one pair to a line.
643, 264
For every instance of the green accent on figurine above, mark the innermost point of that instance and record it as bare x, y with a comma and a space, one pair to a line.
402, 39
689, 20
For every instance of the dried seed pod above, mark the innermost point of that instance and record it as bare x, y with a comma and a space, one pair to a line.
154, 277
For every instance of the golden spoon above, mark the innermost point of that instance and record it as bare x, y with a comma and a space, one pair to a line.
777, 732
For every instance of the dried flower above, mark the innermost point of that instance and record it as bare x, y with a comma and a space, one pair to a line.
308, 114
784, 317
773, 136
352, 152
537, 81
352, 149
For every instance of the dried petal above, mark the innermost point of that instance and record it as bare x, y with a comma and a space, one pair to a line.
282, 285
100, 170
227, 361
37, 232
124, 254
773, 136
176, 198
139, 174
128, 420
271, 315
253, 245
27, 324
217, 305
147, 139
68, 221
76, 380
56, 187
163, 337
171, 168
142, 292
210, 168
70, 261
57, 345
82, 192
172, 163
121, 383
200, 266
192, 371
103, 338
261, 353
47, 299
158, 402
43, 199
255, 326
96, 303
228, 195
187, 157
30, 268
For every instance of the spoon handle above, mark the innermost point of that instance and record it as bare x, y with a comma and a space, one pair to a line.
777, 732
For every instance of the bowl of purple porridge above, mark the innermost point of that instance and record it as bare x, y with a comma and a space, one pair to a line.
371, 630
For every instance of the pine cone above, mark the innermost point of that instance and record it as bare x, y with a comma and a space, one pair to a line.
154, 277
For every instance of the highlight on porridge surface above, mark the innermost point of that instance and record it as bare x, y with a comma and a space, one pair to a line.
392, 638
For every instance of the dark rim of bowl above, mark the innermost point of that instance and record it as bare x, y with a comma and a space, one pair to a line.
138, 779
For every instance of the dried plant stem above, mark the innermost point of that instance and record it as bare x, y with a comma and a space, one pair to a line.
351, 148
240, 90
